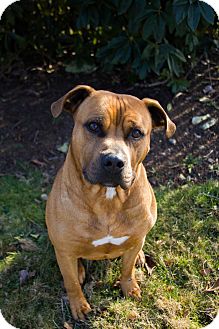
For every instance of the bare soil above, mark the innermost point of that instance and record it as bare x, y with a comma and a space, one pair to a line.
29, 134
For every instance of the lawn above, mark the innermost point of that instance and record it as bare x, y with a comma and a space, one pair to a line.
183, 244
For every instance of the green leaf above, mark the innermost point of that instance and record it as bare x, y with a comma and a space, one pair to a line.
136, 14
126, 54
178, 85
136, 63
143, 71
173, 65
180, 12
122, 55
124, 6
149, 26
207, 12
179, 55
159, 28
117, 42
147, 51
193, 16
180, 2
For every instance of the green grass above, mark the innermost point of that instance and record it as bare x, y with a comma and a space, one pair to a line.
183, 242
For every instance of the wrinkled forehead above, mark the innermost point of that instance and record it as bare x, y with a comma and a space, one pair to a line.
113, 108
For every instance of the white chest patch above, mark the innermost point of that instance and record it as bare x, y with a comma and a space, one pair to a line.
110, 239
110, 192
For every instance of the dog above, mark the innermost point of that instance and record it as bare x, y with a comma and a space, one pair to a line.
102, 205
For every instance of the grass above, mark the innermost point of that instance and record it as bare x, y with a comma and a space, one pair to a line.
183, 244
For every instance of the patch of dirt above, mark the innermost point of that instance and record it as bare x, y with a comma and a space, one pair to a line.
30, 134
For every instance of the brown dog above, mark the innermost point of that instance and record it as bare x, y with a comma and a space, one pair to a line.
101, 204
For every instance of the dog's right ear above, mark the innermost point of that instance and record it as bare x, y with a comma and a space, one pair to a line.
71, 101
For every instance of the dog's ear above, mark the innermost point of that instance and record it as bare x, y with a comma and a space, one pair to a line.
71, 101
159, 116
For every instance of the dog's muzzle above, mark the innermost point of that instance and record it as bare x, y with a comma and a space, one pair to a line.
113, 171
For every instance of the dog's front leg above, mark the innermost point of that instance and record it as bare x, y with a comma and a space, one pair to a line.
69, 269
128, 282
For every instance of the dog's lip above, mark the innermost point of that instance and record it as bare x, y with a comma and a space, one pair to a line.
109, 185
124, 184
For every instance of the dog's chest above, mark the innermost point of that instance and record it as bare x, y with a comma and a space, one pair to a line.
109, 237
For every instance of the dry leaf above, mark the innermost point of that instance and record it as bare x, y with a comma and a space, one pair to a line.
149, 264
169, 262
205, 269
67, 326
27, 244
23, 276
214, 287
63, 148
32, 274
133, 315
139, 275
38, 163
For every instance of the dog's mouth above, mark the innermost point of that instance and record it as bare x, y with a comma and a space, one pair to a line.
124, 182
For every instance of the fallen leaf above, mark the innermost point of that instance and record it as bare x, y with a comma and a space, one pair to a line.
32, 274
169, 262
133, 315
205, 271
149, 264
65, 299
169, 107
27, 244
208, 89
172, 141
67, 326
209, 124
199, 118
214, 287
44, 196
63, 148
38, 163
23, 276
204, 99
35, 236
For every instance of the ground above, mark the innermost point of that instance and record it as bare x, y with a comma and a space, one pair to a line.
182, 291
31, 135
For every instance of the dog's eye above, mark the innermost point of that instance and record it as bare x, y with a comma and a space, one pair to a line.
93, 127
136, 133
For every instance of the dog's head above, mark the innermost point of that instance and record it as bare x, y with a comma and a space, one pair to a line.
111, 134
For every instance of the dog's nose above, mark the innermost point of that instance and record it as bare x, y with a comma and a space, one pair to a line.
112, 163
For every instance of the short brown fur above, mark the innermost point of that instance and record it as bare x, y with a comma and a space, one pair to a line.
78, 211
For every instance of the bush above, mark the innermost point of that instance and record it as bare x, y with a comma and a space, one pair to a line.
144, 36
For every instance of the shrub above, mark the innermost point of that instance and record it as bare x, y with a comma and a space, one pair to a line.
143, 36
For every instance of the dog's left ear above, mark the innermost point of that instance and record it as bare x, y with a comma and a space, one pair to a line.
71, 101
159, 116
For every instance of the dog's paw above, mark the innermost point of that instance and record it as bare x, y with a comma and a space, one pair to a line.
79, 308
140, 260
81, 272
130, 288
